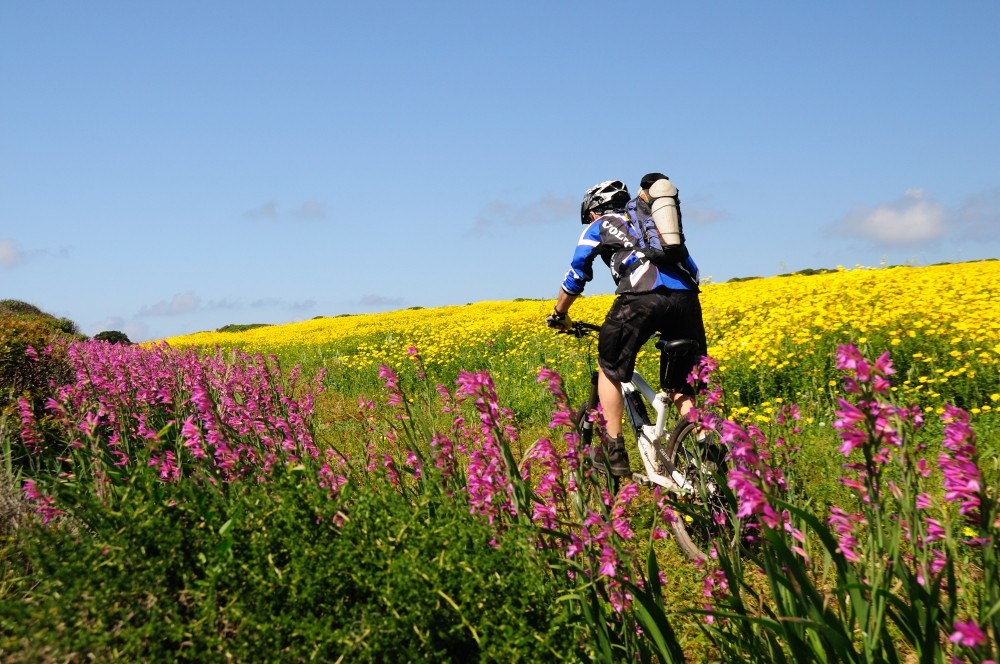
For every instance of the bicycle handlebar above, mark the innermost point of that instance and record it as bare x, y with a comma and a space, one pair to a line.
582, 329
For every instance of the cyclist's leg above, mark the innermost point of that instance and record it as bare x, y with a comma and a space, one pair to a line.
626, 328
683, 403
615, 361
610, 393
630, 323
681, 318
632, 320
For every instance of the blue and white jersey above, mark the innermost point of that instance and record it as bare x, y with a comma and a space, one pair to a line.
627, 250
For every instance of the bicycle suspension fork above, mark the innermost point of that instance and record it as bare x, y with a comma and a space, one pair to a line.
585, 425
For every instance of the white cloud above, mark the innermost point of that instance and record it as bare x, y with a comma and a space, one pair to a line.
186, 303
979, 217
381, 302
182, 303
134, 330
552, 210
108, 324
702, 215
311, 210
911, 219
699, 210
267, 211
266, 303
546, 210
279, 303
222, 304
10, 253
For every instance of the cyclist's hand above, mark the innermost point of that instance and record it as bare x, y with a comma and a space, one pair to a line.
558, 321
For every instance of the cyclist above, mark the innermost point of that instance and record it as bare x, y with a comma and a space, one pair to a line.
657, 292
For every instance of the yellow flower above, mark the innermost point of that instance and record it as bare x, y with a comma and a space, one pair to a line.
757, 330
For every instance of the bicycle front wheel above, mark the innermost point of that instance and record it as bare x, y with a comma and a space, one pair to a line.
702, 513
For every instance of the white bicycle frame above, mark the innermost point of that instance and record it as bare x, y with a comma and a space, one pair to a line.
661, 402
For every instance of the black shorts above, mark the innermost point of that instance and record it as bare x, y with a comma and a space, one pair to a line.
635, 317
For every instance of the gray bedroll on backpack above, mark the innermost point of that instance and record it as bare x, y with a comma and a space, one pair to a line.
665, 206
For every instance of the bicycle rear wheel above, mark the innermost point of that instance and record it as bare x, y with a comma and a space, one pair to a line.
702, 514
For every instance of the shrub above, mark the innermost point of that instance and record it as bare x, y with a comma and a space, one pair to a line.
265, 574
241, 327
66, 326
31, 356
19, 308
14, 510
113, 337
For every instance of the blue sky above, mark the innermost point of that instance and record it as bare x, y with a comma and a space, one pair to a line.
167, 168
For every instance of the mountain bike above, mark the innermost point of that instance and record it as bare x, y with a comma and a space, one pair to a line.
684, 459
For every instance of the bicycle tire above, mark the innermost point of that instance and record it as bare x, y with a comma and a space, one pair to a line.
696, 524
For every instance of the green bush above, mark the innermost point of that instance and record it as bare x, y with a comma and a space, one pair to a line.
262, 572
113, 337
22, 374
434, 587
241, 328
66, 326
19, 308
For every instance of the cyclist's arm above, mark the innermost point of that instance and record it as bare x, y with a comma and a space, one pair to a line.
564, 301
581, 268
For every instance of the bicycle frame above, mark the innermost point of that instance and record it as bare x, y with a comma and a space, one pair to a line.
648, 436
676, 459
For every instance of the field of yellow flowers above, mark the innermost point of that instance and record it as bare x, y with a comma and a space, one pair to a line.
773, 337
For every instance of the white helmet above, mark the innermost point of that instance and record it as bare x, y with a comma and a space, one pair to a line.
610, 194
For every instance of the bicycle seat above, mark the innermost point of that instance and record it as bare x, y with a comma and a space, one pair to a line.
678, 346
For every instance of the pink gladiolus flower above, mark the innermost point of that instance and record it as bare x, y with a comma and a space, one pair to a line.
390, 469
561, 418
848, 418
192, 438
845, 527
554, 383
609, 560
883, 364
848, 357
968, 634
962, 479
30, 490
391, 385
575, 548
935, 531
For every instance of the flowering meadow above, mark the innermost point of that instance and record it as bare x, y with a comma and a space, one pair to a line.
774, 338
410, 485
